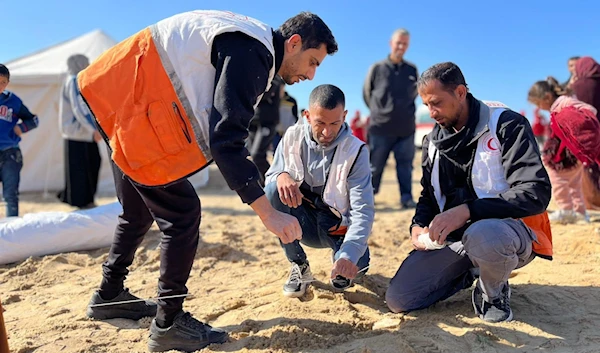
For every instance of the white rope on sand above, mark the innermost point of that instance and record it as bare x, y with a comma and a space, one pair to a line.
314, 280
105, 304
138, 300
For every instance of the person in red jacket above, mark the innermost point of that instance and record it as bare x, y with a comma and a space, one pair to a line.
359, 127
540, 127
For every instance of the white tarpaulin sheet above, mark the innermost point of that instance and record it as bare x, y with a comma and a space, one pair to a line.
44, 233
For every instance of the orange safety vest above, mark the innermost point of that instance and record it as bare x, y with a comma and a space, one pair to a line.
540, 225
140, 114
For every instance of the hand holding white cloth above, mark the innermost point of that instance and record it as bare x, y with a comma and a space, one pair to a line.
430, 244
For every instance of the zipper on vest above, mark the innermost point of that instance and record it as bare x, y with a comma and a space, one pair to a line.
185, 128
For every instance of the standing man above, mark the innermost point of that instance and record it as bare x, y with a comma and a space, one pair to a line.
390, 91
169, 100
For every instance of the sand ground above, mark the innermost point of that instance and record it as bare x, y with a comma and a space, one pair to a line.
236, 284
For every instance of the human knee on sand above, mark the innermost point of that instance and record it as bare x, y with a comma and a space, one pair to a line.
321, 175
485, 193
158, 138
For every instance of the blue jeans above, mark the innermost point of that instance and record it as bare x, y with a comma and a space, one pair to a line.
315, 225
380, 147
11, 162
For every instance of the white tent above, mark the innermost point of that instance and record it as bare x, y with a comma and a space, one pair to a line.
37, 79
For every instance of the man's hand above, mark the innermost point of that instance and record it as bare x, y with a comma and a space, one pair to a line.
414, 236
285, 226
18, 130
344, 268
289, 191
447, 222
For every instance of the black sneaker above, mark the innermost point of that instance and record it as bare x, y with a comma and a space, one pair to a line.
186, 334
496, 311
298, 279
101, 309
340, 283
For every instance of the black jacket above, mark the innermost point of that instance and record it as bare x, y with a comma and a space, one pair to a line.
242, 68
267, 111
390, 91
530, 189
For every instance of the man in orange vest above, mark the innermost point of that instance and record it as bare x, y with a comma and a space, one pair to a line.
482, 211
169, 100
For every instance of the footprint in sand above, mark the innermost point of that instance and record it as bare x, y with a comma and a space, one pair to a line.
59, 312
230, 306
363, 298
422, 344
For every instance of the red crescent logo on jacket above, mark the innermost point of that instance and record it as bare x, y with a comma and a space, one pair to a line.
490, 144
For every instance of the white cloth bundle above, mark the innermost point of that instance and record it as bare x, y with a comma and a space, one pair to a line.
430, 244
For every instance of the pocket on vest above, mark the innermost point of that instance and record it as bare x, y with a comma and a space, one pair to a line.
155, 134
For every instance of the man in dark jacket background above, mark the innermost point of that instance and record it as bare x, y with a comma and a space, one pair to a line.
389, 91
263, 125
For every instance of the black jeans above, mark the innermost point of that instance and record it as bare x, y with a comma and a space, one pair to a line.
176, 210
82, 168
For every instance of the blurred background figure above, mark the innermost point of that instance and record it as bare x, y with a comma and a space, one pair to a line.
389, 91
359, 126
82, 156
571, 67
562, 164
288, 115
586, 88
540, 127
262, 129
15, 120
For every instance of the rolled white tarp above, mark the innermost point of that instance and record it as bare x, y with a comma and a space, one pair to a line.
44, 233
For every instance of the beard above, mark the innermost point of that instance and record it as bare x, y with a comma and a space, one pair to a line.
451, 122
287, 79
287, 73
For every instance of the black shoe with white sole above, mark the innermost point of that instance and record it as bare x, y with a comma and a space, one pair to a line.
498, 310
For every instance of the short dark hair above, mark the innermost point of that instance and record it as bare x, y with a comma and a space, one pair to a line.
4, 71
448, 74
312, 29
327, 96
574, 58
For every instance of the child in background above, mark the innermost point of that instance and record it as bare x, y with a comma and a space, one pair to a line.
563, 167
15, 119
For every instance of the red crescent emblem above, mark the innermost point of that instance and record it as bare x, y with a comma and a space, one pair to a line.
489, 145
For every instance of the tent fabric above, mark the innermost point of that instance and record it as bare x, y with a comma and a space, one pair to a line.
37, 79
44, 233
